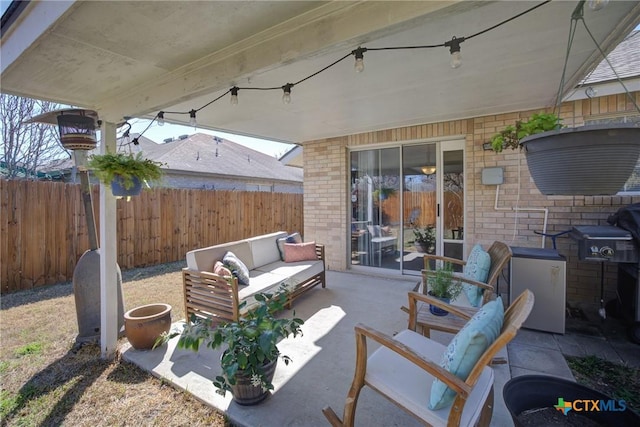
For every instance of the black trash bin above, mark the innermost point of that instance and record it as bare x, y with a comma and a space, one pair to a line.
528, 392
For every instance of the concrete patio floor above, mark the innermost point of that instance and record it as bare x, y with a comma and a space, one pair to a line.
323, 359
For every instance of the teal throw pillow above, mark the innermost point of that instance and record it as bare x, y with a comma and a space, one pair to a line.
477, 268
465, 349
237, 267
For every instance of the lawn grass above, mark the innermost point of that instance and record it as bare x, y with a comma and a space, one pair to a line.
614, 380
48, 381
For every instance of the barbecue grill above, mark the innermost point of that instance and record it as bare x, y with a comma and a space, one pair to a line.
617, 244
604, 243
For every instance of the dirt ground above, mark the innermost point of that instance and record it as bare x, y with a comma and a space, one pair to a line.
48, 381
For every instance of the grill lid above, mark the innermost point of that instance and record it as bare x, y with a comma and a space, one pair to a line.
599, 232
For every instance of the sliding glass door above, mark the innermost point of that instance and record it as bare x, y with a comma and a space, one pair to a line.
375, 185
405, 202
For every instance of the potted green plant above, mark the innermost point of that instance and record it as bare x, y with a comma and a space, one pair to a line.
443, 286
249, 360
383, 193
125, 172
425, 239
587, 160
511, 136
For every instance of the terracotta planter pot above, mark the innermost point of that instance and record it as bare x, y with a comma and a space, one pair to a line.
244, 393
589, 160
143, 325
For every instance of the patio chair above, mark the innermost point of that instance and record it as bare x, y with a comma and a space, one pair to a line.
463, 307
405, 368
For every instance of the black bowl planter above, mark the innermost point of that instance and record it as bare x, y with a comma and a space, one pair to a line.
532, 398
589, 160
118, 189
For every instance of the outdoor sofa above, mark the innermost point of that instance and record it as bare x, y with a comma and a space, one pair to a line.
274, 261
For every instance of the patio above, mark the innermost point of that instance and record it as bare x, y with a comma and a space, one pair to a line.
323, 359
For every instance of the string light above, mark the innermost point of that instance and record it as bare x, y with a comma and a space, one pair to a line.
455, 62
359, 54
286, 96
454, 49
234, 95
598, 4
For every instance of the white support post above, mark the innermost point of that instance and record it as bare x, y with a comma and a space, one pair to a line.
108, 256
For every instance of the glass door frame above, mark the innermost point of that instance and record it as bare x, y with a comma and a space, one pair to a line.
442, 145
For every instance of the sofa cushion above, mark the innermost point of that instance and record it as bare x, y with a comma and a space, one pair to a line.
296, 272
220, 269
476, 268
237, 267
294, 252
202, 259
261, 282
264, 249
465, 349
291, 238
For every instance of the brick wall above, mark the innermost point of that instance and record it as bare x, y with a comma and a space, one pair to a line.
327, 176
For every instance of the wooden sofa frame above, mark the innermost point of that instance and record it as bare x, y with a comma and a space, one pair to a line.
208, 295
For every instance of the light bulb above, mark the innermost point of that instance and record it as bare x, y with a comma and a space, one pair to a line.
192, 118
597, 4
234, 96
359, 54
286, 96
161, 118
454, 48
456, 59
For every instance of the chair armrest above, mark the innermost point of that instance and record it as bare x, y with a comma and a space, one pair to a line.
415, 297
455, 383
460, 277
428, 257
320, 251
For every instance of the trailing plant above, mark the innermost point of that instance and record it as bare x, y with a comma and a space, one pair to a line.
511, 136
442, 284
126, 166
250, 341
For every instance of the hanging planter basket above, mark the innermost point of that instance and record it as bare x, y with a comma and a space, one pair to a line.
589, 160
119, 190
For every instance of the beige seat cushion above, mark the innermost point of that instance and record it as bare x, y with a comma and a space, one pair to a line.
403, 381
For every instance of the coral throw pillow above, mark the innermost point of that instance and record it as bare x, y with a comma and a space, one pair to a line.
300, 252
220, 269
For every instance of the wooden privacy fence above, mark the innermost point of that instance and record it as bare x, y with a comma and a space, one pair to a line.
43, 231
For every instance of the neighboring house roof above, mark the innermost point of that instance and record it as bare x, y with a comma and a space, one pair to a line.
206, 154
214, 155
625, 59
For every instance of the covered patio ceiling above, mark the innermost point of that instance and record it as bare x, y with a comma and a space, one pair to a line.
137, 58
